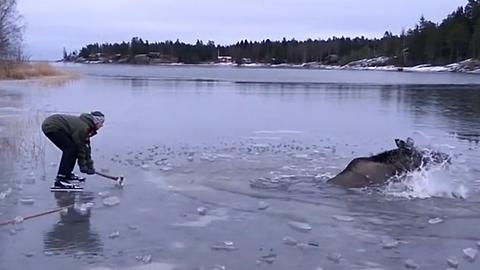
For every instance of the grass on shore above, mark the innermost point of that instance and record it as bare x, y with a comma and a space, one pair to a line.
23, 70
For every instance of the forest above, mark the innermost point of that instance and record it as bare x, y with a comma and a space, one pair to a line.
455, 38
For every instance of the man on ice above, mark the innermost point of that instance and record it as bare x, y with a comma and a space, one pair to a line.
71, 134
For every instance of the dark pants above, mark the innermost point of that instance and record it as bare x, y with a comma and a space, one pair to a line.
69, 151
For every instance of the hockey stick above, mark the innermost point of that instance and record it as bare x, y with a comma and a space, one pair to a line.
37, 215
118, 179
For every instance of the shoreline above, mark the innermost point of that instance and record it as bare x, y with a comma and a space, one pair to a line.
459, 67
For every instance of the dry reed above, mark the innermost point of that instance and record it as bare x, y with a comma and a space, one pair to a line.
22, 70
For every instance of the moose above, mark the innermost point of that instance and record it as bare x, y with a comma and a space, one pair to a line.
381, 168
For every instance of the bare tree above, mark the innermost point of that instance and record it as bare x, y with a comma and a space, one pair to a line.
11, 31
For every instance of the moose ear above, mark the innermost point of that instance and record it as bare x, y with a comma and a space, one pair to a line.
410, 142
400, 143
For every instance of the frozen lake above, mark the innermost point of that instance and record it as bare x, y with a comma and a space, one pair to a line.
252, 148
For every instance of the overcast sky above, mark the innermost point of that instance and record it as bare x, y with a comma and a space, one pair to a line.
52, 25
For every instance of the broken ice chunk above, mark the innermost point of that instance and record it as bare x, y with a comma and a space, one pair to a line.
410, 264
111, 201
114, 235
287, 240
132, 227
144, 258
64, 211
269, 258
470, 253
452, 262
263, 205
389, 243
4, 194
343, 218
202, 211
84, 208
226, 245
300, 226
29, 254
103, 194
434, 221
27, 200
18, 220
334, 257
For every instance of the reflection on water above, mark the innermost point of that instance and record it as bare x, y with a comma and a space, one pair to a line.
459, 105
72, 233
19, 140
9, 107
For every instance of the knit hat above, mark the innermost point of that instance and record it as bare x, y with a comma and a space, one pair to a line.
98, 118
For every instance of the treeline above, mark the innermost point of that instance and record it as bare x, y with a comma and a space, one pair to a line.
11, 29
454, 39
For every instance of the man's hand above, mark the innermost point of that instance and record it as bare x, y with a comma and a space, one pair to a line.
90, 171
87, 170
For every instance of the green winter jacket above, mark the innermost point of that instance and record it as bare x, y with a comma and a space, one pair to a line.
80, 128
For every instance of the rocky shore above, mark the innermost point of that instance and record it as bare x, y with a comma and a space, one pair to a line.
381, 63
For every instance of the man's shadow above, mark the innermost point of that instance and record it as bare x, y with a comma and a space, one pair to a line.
72, 234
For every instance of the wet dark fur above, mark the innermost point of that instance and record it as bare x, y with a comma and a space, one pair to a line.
380, 168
